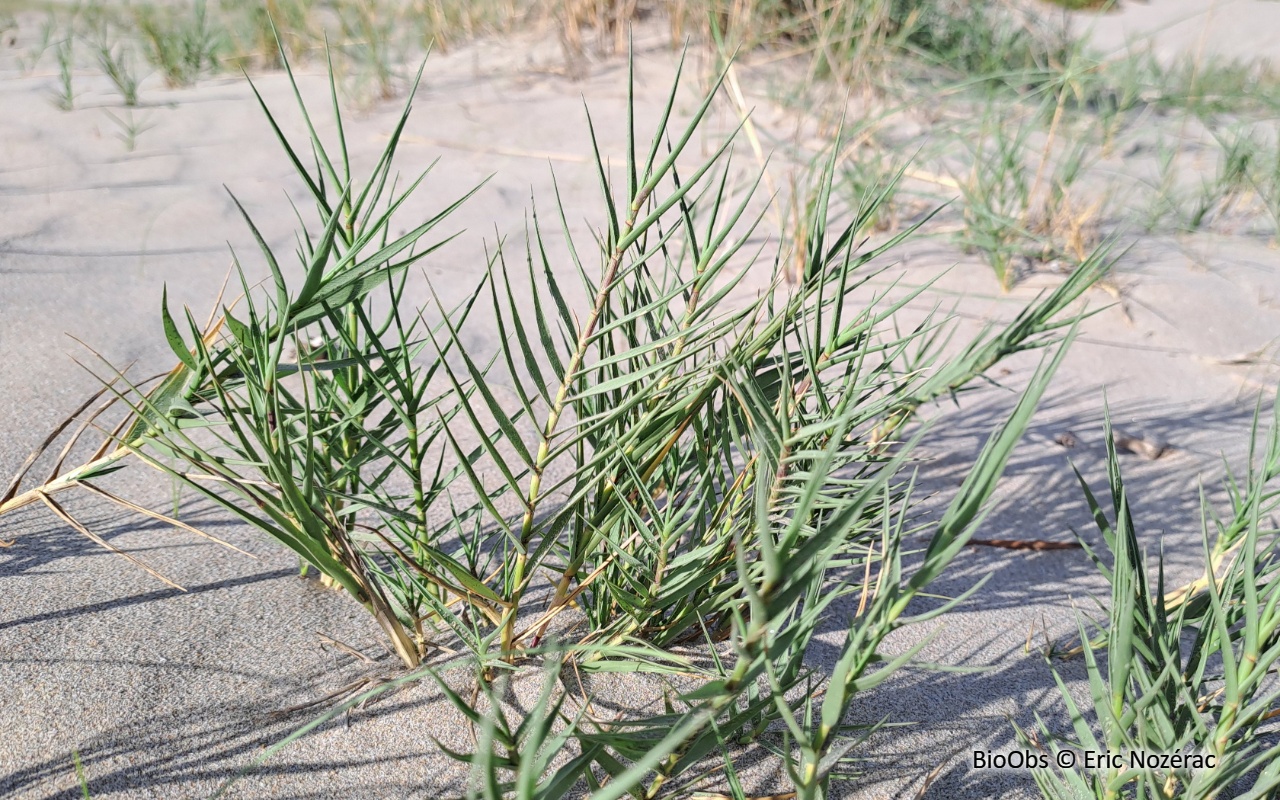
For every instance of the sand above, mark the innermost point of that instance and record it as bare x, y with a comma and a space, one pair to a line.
1232, 29
165, 694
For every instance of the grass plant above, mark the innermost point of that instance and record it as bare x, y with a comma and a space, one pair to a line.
871, 177
1114, 94
760, 688
82, 781
1188, 671
1066, 221
856, 41
117, 64
260, 32
373, 43
1165, 195
447, 22
1023, 206
609, 19
1239, 155
129, 128
987, 42
689, 462
651, 405
1217, 87
181, 42
961, 54
997, 198
65, 98
44, 40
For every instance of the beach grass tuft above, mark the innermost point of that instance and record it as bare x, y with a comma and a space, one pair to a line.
688, 465
1186, 671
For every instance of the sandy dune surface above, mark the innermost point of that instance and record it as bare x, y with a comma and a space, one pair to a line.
1182, 28
166, 694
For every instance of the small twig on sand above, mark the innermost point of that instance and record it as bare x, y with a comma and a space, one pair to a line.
1025, 544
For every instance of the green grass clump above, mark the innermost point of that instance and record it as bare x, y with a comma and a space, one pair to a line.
1020, 205
980, 39
447, 22
182, 43
1187, 671
260, 32
648, 401
1238, 163
43, 41
117, 64
997, 197
1212, 87
953, 58
66, 96
870, 177
371, 33
686, 462
81, 780
129, 128
872, 39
